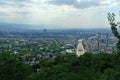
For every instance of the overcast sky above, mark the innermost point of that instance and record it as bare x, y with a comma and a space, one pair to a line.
59, 13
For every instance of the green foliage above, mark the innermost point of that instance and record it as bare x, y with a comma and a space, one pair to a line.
65, 67
114, 25
110, 74
11, 68
86, 67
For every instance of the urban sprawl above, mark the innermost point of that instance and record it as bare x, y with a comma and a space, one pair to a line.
33, 47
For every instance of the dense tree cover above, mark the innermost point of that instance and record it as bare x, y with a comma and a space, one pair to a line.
86, 67
11, 68
65, 67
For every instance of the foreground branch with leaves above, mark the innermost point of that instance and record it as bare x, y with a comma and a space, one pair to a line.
114, 25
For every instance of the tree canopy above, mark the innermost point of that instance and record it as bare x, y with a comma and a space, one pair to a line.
11, 68
86, 67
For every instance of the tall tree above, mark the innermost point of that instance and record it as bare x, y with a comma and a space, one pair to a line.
114, 25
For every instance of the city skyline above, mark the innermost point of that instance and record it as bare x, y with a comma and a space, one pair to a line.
58, 13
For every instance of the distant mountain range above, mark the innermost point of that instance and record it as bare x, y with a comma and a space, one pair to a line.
19, 27
27, 27
26, 30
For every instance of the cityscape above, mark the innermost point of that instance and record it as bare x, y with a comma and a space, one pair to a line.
47, 44
59, 40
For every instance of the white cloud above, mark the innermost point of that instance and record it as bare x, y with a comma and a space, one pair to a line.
67, 15
109, 2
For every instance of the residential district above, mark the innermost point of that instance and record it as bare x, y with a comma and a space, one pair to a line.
46, 45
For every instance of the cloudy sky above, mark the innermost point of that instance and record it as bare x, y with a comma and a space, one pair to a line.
59, 13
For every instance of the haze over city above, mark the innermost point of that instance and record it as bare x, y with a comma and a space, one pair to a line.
55, 14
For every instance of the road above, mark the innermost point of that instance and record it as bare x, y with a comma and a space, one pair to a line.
80, 49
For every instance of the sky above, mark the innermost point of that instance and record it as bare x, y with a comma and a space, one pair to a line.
59, 13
